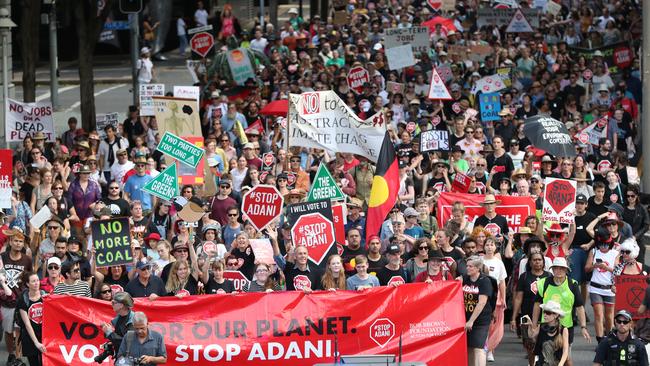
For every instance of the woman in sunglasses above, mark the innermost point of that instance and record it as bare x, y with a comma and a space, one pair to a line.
558, 242
628, 265
552, 347
104, 292
601, 262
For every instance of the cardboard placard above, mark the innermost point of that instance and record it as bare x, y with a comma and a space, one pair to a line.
559, 200
434, 140
400, 57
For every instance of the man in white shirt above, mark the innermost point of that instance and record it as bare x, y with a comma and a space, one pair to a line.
200, 15
259, 43
181, 32
145, 67
120, 167
515, 154
108, 150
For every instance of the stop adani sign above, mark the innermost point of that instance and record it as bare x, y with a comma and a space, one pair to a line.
202, 43
316, 232
262, 204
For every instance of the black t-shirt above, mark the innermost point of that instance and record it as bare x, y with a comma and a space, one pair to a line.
249, 261
471, 292
496, 226
375, 266
213, 287
451, 257
597, 208
125, 209
388, 276
603, 162
437, 183
527, 284
347, 257
191, 288
504, 164
297, 279
581, 237
14, 271
34, 310
119, 284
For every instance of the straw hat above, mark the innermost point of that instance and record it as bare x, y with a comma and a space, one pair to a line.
520, 172
295, 192
489, 198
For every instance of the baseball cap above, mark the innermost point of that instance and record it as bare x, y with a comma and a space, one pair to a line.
54, 260
624, 313
581, 198
410, 211
143, 265
392, 249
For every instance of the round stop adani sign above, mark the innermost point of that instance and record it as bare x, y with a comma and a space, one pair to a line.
262, 204
202, 43
315, 232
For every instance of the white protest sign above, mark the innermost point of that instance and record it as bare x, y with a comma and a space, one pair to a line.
519, 24
594, 132
559, 200
416, 37
552, 7
146, 102
489, 84
434, 140
26, 119
187, 92
501, 17
400, 57
263, 250
192, 66
437, 88
41, 217
322, 120
103, 120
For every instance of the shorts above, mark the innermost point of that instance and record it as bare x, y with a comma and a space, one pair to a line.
7, 319
577, 261
600, 299
477, 336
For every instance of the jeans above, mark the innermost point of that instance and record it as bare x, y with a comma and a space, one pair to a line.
577, 261
182, 44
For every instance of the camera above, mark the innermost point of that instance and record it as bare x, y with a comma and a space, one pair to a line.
108, 350
129, 361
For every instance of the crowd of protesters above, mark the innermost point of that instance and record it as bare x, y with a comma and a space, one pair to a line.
538, 278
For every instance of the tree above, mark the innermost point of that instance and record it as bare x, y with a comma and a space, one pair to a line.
89, 21
29, 24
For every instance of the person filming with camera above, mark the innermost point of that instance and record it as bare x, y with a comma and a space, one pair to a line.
123, 322
142, 346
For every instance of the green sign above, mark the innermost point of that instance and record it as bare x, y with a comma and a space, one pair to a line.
181, 150
164, 185
324, 187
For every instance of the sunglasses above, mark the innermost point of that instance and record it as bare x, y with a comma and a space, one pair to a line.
481, 164
114, 187
182, 250
225, 186
232, 215
52, 267
423, 248
626, 252
549, 313
140, 165
52, 227
106, 292
232, 264
57, 188
631, 196
295, 161
621, 321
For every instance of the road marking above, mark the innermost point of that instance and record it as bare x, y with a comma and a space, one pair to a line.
77, 104
61, 90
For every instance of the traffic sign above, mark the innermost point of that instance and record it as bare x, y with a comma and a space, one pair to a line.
202, 43
262, 205
357, 76
324, 186
204, 28
315, 232
181, 150
164, 185
239, 281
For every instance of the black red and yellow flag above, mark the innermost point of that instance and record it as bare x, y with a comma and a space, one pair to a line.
385, 186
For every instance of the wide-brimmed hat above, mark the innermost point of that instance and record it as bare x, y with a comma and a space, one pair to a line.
434, 254
612, 217
549, 159
487, 149
295, 193
554, 228
524, 230
39, 136
552, 307
14, 232
83, 144
84, 169
355, 202
520, 172
505, 112
560, 262
179, 246
580, 177
534, 240
140, 160
488, 199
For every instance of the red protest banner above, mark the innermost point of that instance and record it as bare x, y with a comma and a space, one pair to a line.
280, 328
515, 209
630, 290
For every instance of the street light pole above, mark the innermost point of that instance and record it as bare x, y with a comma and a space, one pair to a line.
5, 27
135, 36
645, 125
54, 59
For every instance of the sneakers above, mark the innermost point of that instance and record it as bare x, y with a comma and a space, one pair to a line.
490, 357
11, 359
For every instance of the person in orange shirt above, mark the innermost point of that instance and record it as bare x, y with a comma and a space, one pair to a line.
302, 178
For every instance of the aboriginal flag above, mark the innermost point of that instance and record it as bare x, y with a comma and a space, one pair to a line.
385, 186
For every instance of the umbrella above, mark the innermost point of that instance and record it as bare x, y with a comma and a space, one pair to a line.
446, 24
550, 135
276, 108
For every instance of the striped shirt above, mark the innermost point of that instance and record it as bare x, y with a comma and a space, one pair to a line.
78, 288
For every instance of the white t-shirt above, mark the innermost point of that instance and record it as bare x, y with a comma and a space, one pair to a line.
118, 171
259, 44
201, 17
180, 27
145, 70
496, 268
517, 158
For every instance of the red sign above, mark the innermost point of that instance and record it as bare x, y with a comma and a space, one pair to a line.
202, 43
338, 215
291, 179
630, 291
515, 209
357, 76
257, 328
623, 57
262, 204
461, 183
559, 194
6, 166
187, 174
435, 4
315, 232
587, 75
267, 161
239, 281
